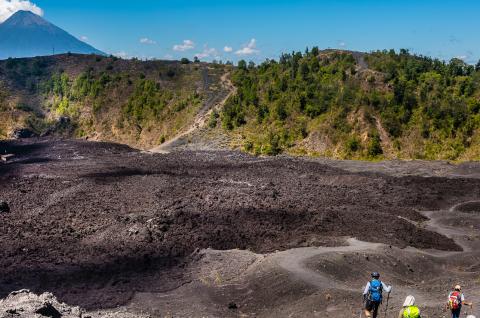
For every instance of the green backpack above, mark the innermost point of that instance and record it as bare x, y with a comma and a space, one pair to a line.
411, 312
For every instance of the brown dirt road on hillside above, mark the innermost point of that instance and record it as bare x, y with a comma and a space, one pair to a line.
201, 119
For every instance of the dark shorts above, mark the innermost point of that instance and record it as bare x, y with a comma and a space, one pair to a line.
456, 313
372, 306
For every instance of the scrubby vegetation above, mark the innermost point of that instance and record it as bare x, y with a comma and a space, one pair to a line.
330, 103
128, 101
340, 104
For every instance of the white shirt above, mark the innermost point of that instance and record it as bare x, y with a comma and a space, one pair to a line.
384, 287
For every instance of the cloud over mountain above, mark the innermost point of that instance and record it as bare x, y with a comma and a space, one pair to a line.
9, 7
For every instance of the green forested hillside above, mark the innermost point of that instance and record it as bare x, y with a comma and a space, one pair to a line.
332, 103
140, 103
353, 105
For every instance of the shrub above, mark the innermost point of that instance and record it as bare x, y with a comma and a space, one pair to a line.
212, 122
353, 144
248, 146
374, 148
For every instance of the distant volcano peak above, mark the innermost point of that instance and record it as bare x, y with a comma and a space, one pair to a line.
26, 34
25, 18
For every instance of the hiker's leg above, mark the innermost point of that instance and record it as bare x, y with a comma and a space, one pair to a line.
456, 313
375, 311
368, 308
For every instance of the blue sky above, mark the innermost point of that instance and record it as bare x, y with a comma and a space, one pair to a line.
255, 30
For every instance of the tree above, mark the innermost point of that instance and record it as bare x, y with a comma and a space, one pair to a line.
196, 59
477, 66
242, 64
457, 67
185, 61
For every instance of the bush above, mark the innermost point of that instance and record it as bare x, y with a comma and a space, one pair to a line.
374, 148
24, 107
272, 147
248, 146
353, 144
212, 122
146, 102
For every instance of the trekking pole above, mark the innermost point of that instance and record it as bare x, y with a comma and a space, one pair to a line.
361, 309
386, 308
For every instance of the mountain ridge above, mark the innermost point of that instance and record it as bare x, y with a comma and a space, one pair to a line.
329, 103
26, 34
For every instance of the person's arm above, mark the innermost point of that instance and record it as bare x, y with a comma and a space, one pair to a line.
464, 302
386, 288
367, 288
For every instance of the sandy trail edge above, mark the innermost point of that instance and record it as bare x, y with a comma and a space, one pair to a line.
200, 120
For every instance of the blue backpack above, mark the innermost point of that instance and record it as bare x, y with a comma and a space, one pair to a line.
375, 291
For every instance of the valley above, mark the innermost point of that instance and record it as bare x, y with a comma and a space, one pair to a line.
122, 232
238, 159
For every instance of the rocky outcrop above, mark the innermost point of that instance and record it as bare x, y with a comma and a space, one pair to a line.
24, 304
22, 133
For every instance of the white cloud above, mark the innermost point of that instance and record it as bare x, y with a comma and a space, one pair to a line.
207, 52
187, 45
147, 41
249, 49
467, 57
228, 49
84, 38
342, 44
9, 7
122, 55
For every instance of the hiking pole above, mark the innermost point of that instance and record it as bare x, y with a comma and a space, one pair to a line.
363, 304
386, 308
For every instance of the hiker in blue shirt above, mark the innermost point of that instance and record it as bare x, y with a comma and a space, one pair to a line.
373, 295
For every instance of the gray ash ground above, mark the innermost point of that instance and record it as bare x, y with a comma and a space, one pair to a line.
100, 224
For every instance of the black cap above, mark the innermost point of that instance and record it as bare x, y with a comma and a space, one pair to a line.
375, 275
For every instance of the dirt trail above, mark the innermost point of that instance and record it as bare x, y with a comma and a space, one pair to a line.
296, 261
201, 119
384, 137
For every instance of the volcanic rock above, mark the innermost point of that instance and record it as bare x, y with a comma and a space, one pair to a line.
25, 304
4, 208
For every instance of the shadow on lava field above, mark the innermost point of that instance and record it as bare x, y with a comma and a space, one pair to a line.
99, 224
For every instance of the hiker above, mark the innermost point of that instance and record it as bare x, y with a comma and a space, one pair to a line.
373, 295
456, 299
409, 309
